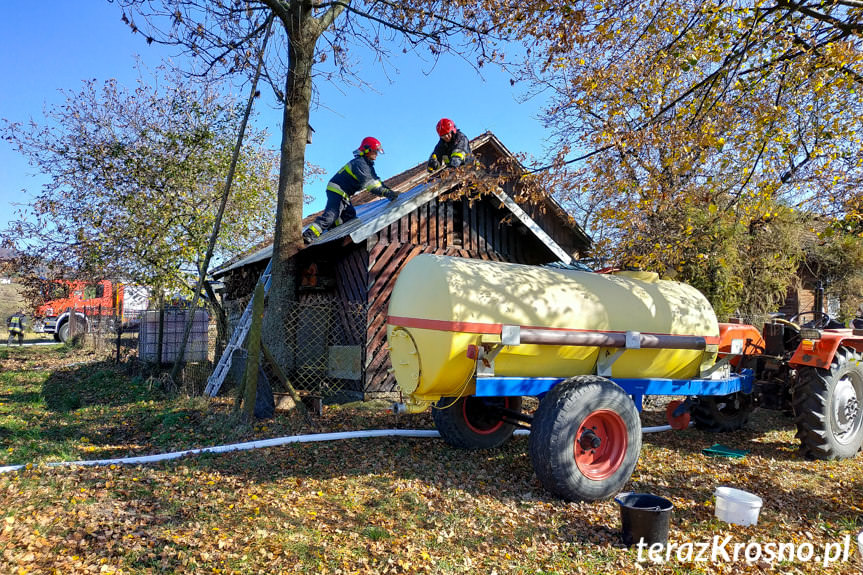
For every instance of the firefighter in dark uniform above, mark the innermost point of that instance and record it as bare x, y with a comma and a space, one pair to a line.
453, 148
15, 323
357, 175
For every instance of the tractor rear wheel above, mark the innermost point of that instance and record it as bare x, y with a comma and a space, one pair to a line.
828, 407
585, 439
722, 413
475, 422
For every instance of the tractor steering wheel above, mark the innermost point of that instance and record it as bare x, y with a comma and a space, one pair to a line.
820, 319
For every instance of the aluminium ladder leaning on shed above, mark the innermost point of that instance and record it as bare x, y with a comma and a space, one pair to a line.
238, 338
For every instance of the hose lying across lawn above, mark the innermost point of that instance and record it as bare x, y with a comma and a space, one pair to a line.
310, 438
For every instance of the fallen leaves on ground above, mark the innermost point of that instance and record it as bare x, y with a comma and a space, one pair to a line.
403, 505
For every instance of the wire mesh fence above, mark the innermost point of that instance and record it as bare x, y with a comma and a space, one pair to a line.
319, 350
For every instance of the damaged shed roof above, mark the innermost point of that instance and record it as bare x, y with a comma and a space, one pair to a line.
416, 189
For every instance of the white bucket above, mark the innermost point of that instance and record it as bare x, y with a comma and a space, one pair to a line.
737, 506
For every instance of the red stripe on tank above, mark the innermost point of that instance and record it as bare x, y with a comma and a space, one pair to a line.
445, 325
495, 328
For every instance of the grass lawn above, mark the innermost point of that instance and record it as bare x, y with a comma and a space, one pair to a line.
383, 505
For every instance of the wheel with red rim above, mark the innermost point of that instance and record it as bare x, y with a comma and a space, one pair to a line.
475, 422
677, 422
722, 413
585, 439
600, 444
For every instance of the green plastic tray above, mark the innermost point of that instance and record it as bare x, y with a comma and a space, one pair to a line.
719, 450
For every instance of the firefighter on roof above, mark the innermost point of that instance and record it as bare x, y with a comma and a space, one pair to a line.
453, 148
357, 175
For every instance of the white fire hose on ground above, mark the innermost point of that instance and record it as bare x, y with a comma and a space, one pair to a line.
310, 438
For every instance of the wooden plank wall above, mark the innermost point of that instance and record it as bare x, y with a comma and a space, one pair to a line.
478, 230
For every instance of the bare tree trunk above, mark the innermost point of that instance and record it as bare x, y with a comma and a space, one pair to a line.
278, 333
253, 360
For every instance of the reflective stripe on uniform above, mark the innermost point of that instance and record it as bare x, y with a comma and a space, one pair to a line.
373, 185
459, 155
314, 229
347, 169
334, 188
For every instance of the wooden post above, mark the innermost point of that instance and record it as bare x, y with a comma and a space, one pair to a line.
119, 331
277, 369
160, 339
253, 359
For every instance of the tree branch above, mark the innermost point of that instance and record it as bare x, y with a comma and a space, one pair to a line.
835, 22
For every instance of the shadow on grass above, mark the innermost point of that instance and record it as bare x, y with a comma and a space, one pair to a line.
20, 397
762, 435
93, 384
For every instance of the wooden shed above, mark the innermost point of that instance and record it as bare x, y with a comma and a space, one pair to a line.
347, 274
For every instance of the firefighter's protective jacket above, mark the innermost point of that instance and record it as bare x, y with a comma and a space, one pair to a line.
16, 323
357, 175
453, 153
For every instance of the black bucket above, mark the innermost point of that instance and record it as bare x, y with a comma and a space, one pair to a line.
644, 516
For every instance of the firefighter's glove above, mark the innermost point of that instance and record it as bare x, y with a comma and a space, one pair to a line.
391, 195
310, 234
433, 163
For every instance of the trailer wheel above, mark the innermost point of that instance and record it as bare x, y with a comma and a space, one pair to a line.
475, 422
827, 407
722, 413
585, 439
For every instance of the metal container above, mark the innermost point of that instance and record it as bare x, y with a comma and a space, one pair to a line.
441, 306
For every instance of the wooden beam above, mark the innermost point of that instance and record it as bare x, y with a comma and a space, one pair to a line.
277, 369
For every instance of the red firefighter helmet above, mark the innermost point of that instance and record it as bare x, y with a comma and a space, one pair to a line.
445, 126
370, 144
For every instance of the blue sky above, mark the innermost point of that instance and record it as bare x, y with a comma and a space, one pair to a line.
54, 45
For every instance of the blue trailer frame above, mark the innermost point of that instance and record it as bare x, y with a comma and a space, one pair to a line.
494, 386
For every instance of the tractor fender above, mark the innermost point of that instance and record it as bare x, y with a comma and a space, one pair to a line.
750, 338
823, 349
750, 341
61, 319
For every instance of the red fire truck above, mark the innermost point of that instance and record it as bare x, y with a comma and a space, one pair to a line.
72, 307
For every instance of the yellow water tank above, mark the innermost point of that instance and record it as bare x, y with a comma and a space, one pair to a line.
440, 306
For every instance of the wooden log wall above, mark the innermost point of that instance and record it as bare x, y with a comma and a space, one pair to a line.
478, 230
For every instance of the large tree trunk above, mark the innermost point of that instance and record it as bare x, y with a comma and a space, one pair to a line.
279, 327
